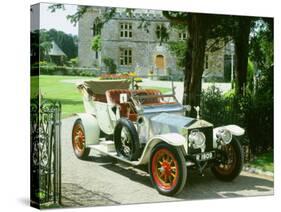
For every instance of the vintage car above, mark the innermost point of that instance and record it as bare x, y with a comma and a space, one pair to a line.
147, 127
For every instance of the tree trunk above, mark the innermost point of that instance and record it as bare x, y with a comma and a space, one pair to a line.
196, 44
242, 49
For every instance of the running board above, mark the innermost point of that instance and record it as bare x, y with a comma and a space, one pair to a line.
104, 149
107, 148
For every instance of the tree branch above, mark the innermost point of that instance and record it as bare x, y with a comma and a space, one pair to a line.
213, 47
178, 17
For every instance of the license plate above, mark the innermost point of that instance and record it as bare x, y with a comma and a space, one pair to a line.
205, 156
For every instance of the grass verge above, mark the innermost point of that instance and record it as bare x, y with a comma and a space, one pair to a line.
58, 88
264, 162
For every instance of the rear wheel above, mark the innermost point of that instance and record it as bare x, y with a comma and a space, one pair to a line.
167, 169
231, 165
78, 140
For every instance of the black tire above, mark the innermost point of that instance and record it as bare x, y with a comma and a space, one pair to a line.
78, 140
128, 146
162, 180
229, 170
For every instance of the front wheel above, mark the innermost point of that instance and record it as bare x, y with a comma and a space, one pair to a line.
230, 167
167, 169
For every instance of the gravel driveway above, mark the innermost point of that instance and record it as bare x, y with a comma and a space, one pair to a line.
101, 180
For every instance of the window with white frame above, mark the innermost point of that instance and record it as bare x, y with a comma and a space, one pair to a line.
126, 30
125, 56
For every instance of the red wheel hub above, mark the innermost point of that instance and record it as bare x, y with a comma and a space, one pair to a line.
78, 138
165, 169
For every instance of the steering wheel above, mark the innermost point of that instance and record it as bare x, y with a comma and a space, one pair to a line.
141, 100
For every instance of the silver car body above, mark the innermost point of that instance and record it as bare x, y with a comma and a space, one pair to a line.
155, 123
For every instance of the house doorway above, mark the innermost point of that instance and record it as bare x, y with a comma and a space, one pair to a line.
159, 63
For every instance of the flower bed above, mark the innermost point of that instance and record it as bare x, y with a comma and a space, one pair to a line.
120, 76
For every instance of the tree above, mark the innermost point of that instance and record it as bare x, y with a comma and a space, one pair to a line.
201, 27
241, 40
66, 42
261, 43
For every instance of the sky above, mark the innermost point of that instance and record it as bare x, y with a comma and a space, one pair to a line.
58, 20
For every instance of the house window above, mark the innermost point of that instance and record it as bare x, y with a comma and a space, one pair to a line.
159, 31
96, 27
206, 62
182, 35
162, 32
125, 56
126, 30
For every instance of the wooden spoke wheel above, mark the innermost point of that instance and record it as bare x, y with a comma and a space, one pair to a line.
232, 165
78, 140
167, 169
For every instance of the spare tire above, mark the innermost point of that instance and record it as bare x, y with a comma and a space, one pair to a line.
126, 140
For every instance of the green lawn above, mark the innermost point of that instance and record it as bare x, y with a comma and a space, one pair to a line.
263, 162
53, 87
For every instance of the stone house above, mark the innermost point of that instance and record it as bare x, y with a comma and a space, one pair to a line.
56, 55
133, 48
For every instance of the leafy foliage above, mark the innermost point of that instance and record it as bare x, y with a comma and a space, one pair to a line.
96, 43
179, 50
254, 113
66, 42
73, 62
109, 64
261, 45
47, 68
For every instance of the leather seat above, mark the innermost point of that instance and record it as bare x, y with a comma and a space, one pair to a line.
113, 97
149, 92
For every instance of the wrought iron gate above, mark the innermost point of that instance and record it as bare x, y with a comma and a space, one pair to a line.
45, 152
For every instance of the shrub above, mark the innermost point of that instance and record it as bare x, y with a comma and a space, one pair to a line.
96, 43
73, 62
52, 69
119, 76
87, 73
138, 79
214, 79
47, 67
259, 118
254, 113
110, 65
164, 78
114, 76
213, 105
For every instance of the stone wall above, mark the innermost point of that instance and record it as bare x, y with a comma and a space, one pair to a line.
215, 61
145, 47
85, 54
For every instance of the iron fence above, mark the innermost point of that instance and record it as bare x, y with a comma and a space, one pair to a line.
45, 152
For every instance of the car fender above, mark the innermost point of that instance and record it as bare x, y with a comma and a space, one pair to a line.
91, 128
174, 139
234, 129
